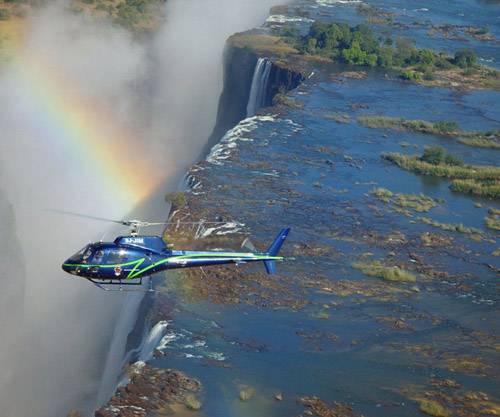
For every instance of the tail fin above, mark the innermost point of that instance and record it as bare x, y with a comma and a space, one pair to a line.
274, 249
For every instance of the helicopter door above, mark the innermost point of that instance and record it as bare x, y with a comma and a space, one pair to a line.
97, 260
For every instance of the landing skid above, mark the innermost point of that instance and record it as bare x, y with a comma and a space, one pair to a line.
122, 286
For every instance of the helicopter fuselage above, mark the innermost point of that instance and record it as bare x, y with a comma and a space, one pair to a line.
129, 259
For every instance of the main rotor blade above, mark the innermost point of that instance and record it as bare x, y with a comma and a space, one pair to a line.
85, 216
138, 223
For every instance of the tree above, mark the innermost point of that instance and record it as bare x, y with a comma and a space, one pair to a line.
311, 45
426, 57
404, 50
465, 58
385, 56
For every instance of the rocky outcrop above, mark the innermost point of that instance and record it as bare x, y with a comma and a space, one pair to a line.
152, 391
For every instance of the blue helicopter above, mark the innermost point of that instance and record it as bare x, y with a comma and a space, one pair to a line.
127, 260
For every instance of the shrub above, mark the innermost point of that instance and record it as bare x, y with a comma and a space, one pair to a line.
433, 155
446, 127
4, 14
383, 194
453, 160
465, 58
410, 75
177, 199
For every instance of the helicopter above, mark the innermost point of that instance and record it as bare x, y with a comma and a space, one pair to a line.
128, 260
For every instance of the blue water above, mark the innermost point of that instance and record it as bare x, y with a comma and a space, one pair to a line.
301, 168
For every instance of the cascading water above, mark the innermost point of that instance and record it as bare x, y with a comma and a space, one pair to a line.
152, 341
257, 97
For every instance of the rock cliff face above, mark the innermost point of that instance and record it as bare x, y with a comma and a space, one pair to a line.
240, 64
281, 79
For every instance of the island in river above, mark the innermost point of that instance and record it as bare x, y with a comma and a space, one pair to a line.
390, 306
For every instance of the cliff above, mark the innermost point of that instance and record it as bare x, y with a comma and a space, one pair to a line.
285, 71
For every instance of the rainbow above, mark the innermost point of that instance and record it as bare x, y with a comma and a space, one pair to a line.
86, 131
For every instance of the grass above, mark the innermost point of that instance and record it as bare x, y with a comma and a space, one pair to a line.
481, 141
420, 203
488, 189
433, 408
452, 227
472, 179
474, 172
262, 44
387, 273
492, 220
441, 128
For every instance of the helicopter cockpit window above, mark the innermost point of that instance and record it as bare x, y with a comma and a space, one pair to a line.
82, 255
117, 257
98, 256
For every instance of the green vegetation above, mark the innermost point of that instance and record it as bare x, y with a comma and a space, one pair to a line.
131, 12
435, 155
452, 227
433, 408
465, 58
492, 220
4, 14
177, 199
134, 14
420, 203
387, 273
489, 189
358, 45
472, 179
383, 194
440, 128
264, 44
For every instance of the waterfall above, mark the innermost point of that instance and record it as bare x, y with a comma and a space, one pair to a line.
152, 341
257, 98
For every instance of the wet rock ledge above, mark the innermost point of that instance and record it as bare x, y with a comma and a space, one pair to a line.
152, 390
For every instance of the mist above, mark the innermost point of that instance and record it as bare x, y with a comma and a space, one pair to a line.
145, 109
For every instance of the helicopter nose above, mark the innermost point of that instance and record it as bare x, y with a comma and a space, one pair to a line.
66, 268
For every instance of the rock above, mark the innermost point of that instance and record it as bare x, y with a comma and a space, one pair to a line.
246, 393
192, 402
75, 413
151, 391
415, 288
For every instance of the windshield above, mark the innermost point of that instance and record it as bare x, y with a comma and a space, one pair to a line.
81, 256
